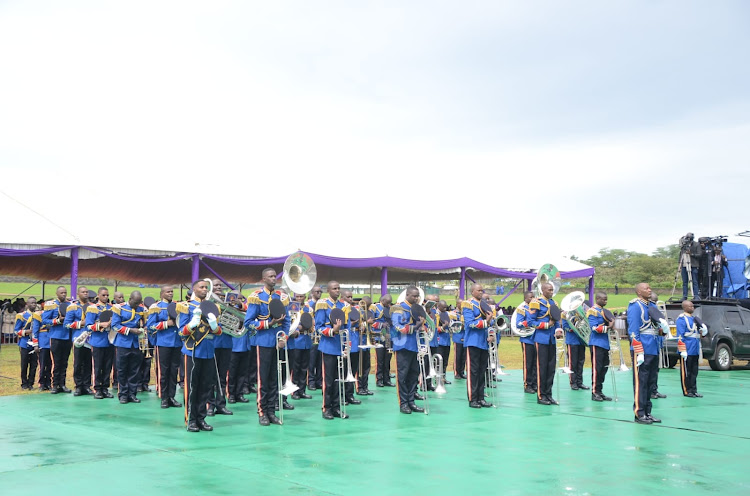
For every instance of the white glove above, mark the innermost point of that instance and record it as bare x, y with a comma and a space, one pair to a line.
639, 359
684, 355
196, 319
704, 330
212, 321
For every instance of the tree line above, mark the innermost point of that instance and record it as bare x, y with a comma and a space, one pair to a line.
627, 268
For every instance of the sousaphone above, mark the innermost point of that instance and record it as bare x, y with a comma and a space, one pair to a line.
548, 273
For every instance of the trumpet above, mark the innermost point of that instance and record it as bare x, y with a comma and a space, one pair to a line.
143, 343
82, 340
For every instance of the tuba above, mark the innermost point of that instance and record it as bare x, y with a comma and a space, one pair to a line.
299, 273
230, 318
575, 315
548, 273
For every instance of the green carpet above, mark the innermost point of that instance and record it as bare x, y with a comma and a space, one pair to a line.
60, 444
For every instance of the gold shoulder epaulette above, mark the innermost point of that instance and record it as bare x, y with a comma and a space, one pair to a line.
92, 309
38, 316
182, 307
154, 309
534, 304
253, 299
373, 308
321, 305
19, 316
285, 299
466, 304
592, 311
116, 309
50, 305
72, 307
397, 309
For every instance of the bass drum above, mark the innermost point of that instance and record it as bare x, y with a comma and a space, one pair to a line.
524, 333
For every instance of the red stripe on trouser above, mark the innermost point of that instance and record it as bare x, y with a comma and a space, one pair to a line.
538, 373
570, 363
594, 381
683, 367
158, 374
398, 394
257, 361
523, 353
468, 376
323, 367
637, 386
185, 389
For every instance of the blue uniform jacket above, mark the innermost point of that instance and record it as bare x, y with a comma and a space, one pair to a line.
258, 317
595, 316
241, 344
75, 318
125, 318
689, 333
204, 349
40, 332
23, 323
571, 337
640, 327
166, 336
475, 327
405, 337
522, 315
539, 313
458, 337
329, 344
52, 320
304, 341
99, 337
380, 324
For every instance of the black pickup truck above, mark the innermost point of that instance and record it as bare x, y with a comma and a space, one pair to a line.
728, 336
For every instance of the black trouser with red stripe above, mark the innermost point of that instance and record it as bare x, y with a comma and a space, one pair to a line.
599, 362
644, 378
354, 359
529, 366
407, 376
576, 359
689, 374
268, 381
363, 373
45, 367
28, 367
199, 372
546, 357
60, 349
315, 367
216, 398
252, 371
239, 365
476, 360
103, 360
128, 371
82, 367
331, 399
168, 361
382, 365
445, 352
299, 371
459, 365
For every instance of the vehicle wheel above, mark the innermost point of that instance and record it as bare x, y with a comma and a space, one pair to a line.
672, 361
723, 358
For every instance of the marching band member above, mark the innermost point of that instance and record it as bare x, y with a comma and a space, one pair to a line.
315, 368
459, 362
406, 350
380, 326
23, 330
654, 389
102, 351
599, 342
528, 347
475, 342
363, 368
217, 401
433, 344
301, 362
127, 322
443, 338
40, 334
544, 338
689, 346
118, 298
348, 298
644, 350
239, 366
75, 319
60, 341
576, 350
258, 317
330, 349
168, 347
198, 356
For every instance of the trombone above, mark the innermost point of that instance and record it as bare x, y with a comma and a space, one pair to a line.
426, 371
344, 370
289, 387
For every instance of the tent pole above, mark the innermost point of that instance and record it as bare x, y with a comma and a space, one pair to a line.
44, 283
591, 290
196, 269
74, 272
384, 281
462, 285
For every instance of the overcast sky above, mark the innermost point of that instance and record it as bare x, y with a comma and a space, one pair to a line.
505, 131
